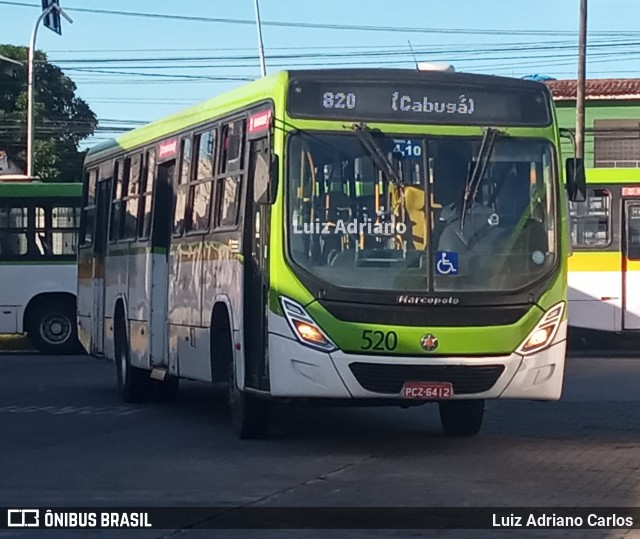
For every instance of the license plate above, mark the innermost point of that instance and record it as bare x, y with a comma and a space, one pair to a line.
427, 390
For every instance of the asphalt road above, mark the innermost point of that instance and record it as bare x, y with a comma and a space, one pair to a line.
66, 440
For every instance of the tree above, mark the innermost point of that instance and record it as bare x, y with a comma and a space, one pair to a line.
61, 119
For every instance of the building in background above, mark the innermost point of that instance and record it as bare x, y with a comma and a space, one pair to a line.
604, 271
8, 67
612, 119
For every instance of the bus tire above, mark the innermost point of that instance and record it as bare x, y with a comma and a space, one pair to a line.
461, 417
134, 384
250, 415
52, 327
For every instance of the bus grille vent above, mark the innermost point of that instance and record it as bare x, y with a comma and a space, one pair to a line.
395, 315
466, 379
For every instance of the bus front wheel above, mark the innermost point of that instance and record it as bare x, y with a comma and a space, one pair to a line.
52, 328
250, 415
461, 417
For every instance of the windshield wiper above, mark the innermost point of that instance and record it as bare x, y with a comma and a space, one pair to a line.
476, 176
374, 149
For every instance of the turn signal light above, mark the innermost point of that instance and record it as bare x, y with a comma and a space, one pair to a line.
304, 327
309, 332
543, 334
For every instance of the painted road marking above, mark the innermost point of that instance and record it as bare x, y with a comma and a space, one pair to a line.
64, 410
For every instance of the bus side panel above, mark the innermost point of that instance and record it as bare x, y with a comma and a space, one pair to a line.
85, 298
188, 344
595, 290
33, 279
139, 262
222, 279
116, 285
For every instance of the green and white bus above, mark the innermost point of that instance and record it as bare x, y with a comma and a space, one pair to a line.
38, 271
387, 237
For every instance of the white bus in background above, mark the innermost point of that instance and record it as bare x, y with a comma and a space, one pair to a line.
38, 273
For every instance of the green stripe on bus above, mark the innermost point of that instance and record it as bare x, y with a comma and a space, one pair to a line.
40, 190
37, 262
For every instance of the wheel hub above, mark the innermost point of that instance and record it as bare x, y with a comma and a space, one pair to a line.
55, 329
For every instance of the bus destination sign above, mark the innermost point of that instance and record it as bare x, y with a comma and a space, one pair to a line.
426, 103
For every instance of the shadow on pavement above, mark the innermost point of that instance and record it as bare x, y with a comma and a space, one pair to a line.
604, 343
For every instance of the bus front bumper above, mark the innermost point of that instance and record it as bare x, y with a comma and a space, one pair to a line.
298, 371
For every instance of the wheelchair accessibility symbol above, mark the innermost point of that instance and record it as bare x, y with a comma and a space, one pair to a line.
446, 263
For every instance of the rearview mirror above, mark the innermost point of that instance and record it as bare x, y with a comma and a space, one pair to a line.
576, 180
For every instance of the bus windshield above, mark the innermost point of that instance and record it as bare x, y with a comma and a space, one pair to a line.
449, 217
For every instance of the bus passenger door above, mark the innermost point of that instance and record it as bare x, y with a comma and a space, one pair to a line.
256, 270
160, 243
100, 246
631, 266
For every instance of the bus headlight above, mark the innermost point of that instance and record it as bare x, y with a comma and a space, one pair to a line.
543, 334
305, 329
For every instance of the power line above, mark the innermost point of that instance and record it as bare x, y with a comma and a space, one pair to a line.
342, 53
324, 26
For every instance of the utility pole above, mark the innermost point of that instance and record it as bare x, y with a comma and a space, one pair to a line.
263, 67
581, 82
51, 12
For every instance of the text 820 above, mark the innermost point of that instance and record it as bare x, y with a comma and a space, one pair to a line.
339, 100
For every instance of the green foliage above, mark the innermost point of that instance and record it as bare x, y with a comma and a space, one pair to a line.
61, 119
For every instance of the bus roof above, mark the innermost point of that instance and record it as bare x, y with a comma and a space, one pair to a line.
192, 116
613, 175
40, 190
266, 87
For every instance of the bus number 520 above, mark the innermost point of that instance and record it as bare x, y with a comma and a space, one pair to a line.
379, 340
339, 100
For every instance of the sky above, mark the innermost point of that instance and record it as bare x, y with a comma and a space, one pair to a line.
132, 69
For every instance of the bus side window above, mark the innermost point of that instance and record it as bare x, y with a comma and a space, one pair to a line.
87, 218
633, 232
13, 232
229, 183
131, 197
64, 225
202, 186
116, 204
42, 236
146, 188
591, 220
229, 198
182, 188
232, 147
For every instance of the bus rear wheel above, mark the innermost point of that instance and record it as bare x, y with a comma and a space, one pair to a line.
134, 384
461, 417
52, 328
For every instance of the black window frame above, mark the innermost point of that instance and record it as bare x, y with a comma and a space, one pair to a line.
30, 230
115, 218
88, 207
182, 182
147, 190
227, 170
606, 194
130, 196
197, 181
